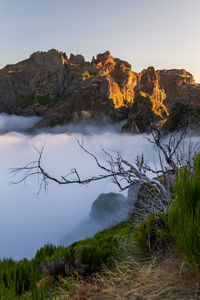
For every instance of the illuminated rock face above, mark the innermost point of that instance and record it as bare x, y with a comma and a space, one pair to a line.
63, 89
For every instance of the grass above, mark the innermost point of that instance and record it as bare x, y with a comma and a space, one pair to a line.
20, 278
121, 262
184, 213
161, 277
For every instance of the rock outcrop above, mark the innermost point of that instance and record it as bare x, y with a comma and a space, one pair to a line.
110, 209
62, 89
107, 210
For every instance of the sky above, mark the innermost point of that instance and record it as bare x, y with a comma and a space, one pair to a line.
163, 34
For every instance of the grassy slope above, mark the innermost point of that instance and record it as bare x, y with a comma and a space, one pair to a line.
138, 261
132, 273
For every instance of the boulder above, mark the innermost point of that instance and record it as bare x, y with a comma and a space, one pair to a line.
144, 198
110, 209
107, 210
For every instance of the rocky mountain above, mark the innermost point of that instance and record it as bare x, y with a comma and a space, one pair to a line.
62, 89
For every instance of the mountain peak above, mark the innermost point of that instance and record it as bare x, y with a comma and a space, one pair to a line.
62, 90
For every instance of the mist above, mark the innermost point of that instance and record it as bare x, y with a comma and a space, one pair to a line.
16, 123
27, 220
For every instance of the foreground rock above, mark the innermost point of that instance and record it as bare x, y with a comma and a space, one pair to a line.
107, 210
110, 209
62, 89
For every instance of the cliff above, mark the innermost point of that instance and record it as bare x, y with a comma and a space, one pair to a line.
62, 89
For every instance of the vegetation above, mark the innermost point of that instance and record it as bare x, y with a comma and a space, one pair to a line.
64, 97
141, 114
28, 100
18, 277
180, 221
182, 115
152, 233
89, 74
184, 213
178, 117
109, 247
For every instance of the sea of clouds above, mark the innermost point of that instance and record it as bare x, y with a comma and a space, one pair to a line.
27, 220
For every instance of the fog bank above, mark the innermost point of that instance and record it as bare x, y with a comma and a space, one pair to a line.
27, 222
16, 123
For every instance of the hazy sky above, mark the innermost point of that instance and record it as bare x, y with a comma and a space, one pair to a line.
162, 33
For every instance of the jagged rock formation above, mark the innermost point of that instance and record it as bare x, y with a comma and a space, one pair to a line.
62, 89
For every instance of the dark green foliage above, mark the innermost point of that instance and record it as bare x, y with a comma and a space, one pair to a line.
28, 100
63, 98
140, 116
152, 234
118, 114
44, 252
55, 123
19, 277
43, 100
182, 115
94, 251
177, 118
184, 212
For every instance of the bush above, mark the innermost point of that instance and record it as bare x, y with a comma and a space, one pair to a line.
28, 100
184, 212
152, 234
18, 277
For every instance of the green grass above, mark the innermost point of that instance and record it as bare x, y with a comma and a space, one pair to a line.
17, 278
184, 213
152, 233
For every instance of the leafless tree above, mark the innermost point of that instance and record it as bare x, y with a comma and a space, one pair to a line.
123, 173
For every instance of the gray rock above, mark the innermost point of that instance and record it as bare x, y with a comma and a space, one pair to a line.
107, 210
110, 209
133, 193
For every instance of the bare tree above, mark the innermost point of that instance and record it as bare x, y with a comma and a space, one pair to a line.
124, 174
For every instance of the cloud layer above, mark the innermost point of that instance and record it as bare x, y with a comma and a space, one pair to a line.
27, 222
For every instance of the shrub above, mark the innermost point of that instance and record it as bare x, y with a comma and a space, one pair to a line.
184, 212
152, 234
28, 100
22, 276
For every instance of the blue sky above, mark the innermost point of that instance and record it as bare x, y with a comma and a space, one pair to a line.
162, 33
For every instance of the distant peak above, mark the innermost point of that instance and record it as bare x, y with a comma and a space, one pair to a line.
77, 58
104, 55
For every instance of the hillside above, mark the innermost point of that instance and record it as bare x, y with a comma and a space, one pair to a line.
62, 89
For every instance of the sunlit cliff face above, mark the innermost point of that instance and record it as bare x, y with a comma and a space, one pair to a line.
60, 89
124, 84
162, 87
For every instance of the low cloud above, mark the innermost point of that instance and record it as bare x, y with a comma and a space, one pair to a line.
27, 222
10, 123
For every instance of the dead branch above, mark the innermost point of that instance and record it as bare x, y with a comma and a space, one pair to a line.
124, 174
